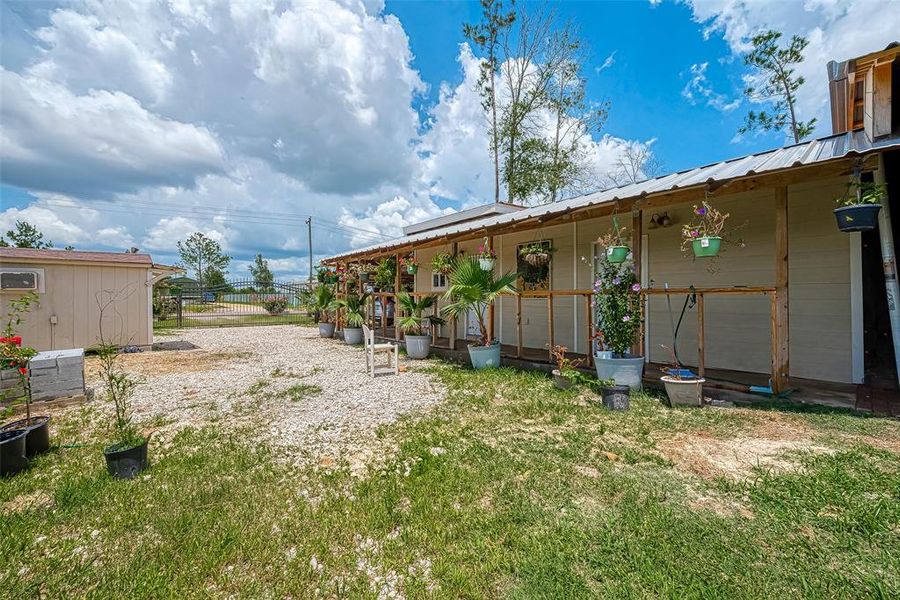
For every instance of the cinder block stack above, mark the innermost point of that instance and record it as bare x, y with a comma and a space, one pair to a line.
10, 385
57, 374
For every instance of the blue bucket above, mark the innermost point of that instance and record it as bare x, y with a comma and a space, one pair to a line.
485, 357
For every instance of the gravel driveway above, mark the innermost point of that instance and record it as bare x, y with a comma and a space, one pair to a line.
312, 395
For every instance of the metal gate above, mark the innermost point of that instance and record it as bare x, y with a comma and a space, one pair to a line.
232, 304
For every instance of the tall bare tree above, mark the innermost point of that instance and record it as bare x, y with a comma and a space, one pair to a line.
636, 163
486, 34
779, 85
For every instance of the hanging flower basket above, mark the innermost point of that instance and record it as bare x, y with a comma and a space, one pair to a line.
364, 277
617, 254
487, 264
412, 269
858, 217
706, 247
537, 259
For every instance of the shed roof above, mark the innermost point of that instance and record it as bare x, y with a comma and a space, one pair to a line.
813, 152
54, 255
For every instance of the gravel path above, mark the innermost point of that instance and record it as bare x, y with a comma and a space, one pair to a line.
312, 395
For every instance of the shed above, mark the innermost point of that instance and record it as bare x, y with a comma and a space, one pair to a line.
71, 287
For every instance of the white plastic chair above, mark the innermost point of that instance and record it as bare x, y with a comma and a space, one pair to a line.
373, 349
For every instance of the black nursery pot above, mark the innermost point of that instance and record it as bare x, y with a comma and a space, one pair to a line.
616, 397
12, 451
859, 217
128, 462
37, 439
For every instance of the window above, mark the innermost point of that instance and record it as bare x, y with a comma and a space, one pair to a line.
534, 275
859, 96
438, 281
22, 280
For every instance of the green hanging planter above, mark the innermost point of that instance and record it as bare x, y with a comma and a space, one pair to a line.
707, 247
617, 254
411, 269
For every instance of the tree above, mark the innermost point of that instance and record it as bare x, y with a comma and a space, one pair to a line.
204, 257
636, 163
25, 235
777, 84
486, 35
263, 278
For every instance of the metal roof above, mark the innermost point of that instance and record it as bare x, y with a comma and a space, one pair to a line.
54, 255
808, 153
469, 214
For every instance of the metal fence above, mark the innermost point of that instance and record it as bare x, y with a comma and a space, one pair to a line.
232, 304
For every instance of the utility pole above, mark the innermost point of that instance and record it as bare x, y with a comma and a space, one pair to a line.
309, 239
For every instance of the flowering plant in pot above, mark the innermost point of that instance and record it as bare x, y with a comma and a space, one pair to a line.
324, 302
36, 429
683, 387
473, 290
486, 255
355, 306
386, 273
409, 264
619, 307
706, 232
615, 248
416, 326
566, 373
859, 206
537, 253
442, 262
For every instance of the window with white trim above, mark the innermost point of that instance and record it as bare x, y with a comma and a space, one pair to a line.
438, 281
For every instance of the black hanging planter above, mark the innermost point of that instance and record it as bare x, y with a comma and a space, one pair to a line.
12, 451
857, 217
616, 397
37, 438
127, 462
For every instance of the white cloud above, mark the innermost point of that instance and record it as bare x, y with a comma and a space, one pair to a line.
167, 231
698, 88
389, 218
836, 29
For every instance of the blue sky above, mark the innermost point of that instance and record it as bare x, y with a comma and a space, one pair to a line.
137, 124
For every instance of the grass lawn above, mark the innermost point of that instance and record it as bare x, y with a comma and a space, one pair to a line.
510, 488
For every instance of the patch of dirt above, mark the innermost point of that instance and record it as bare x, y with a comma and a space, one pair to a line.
720, 506
710, 457
36, 500
163, 363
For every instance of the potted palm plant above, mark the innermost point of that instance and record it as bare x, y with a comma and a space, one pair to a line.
858, 208
486, 256
473, 290
613, 243
324, 303
415, 326
617, 300
354, 306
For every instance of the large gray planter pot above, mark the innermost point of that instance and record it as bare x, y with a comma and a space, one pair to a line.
326, 330
485, 357
624, 371
353, 335
684, 392
418, 346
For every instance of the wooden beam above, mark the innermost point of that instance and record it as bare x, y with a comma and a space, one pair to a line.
454, 248
398, 280
637, 235
782, 297
588, 318
518, 325
490, 315
701, 337
550, 323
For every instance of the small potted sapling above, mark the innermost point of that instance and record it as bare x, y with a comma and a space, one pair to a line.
486, 256
566, 374
682, 387
354, 306
858, 208
16, 356
472, 290
127, 455
324, 303
415, 325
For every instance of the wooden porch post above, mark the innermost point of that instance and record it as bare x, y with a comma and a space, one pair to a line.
590, 329
701, 337
637, 250
490, 315
453, 249
518, 325
434, 328
550, 322
781, 326
398, 334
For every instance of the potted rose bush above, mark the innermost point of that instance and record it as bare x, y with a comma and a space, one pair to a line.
618, 304
416, 326
473, 290
566, 373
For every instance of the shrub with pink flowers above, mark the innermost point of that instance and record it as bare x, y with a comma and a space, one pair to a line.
617, 300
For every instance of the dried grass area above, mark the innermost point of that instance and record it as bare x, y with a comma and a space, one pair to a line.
167, 362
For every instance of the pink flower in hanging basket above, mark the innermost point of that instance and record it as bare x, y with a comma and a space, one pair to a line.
636, 287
